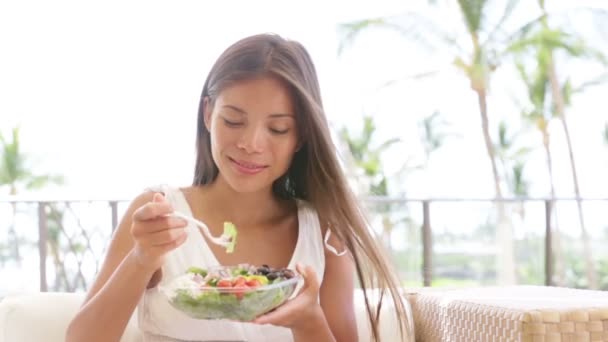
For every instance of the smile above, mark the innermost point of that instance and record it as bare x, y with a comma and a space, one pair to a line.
247, 167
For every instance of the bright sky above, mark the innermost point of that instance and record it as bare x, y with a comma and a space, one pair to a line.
106, 92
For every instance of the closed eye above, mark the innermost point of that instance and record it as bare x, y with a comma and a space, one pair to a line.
232, 123
279, 131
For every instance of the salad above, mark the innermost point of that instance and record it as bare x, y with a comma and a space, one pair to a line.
239, 293
230, 233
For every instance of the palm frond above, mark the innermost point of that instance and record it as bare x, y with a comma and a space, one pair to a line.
602, 79
557, 39
520, 184
459, 63
539, 87
524, 30
348, 32
523, 74
385, 145
473, 14
410, 25
506, 14
13, 161
504, 141
416, 76
38, 182
522, 152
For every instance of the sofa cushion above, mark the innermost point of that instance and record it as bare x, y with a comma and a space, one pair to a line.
44, 317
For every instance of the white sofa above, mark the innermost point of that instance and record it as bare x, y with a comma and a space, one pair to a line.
45, 317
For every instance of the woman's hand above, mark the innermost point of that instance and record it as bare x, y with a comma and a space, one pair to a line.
302, 314
154, 233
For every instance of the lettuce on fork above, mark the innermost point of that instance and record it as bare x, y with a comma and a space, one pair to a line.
230, 234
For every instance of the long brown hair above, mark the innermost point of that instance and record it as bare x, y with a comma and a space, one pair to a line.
315, 174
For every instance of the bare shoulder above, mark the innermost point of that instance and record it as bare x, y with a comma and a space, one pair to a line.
193, 193
189, 189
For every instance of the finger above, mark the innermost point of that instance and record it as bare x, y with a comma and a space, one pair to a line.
158, 197
173, 244
309, 291
162, 237
269, 318
152, 210
310, 278
158, 224
276, 316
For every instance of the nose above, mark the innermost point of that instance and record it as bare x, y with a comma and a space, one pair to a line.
252, 140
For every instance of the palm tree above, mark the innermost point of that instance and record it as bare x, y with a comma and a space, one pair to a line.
15, 172
547, 41
367, 161
537, 115
477, 65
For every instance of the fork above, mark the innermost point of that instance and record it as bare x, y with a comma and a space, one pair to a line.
223, 240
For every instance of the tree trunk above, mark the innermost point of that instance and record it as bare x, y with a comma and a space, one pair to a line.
504, 234
557, 250
561, 112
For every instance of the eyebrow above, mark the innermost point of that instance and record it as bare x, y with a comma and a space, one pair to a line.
243, 112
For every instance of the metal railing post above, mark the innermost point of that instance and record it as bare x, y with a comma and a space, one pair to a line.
548, 244
427, 245
43, 234
114, 207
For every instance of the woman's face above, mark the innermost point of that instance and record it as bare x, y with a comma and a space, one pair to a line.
253, 133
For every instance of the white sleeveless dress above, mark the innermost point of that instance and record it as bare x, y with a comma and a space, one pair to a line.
160, 322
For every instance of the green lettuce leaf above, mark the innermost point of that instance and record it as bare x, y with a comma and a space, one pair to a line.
230, 231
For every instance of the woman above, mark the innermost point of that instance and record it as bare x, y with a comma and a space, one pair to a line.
265, 162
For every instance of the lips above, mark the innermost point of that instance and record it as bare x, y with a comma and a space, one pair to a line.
247, 166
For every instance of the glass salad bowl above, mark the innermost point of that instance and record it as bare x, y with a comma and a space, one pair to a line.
240, 293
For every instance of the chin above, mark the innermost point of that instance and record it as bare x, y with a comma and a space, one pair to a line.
248, 186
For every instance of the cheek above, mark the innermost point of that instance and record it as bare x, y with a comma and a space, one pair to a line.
286, 150
220, 138
219, 143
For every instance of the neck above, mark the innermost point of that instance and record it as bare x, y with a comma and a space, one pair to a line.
242, 208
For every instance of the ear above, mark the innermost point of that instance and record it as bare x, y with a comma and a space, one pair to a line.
207, 113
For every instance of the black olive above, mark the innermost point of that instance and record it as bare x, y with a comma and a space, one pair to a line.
263, 270
288, 273
272, 276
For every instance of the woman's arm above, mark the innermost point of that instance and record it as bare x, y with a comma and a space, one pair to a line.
336, 295
120, 283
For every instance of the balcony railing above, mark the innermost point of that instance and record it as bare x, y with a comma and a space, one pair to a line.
60, 244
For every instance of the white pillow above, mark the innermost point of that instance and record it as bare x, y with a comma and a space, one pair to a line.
44, 317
